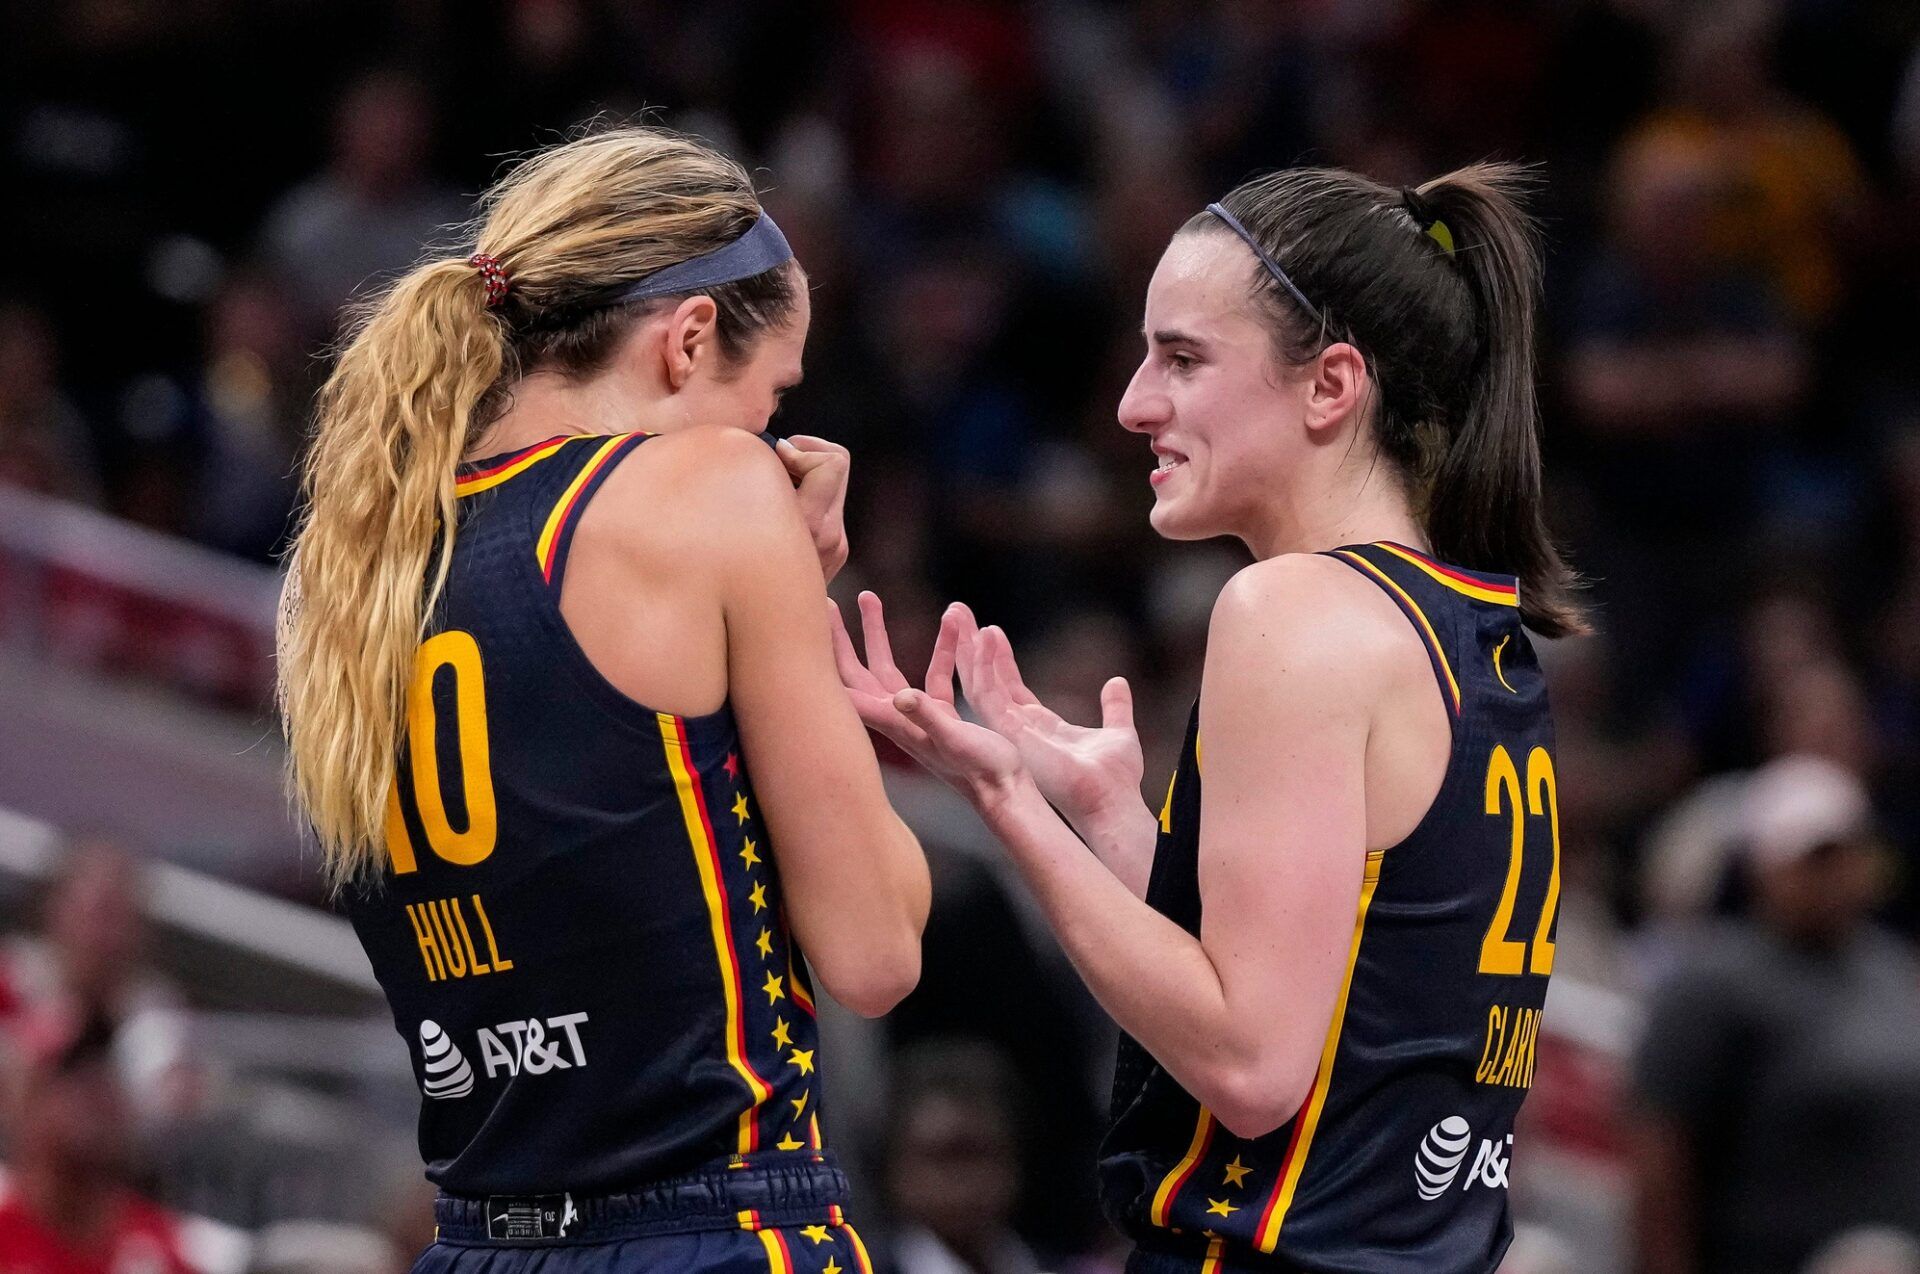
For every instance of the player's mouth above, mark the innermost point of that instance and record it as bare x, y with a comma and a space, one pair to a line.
1170, 460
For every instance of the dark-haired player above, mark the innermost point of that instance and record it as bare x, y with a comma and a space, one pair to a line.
1330, 948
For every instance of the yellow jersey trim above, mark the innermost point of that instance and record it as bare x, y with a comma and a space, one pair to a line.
1276, 1212
1459, 584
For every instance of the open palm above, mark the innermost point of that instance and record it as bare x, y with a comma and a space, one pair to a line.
924, 724
1082, 770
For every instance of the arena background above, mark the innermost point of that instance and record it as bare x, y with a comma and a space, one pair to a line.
979, 189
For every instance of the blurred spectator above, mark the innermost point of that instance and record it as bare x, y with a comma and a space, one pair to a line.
985, 979
44, 445
373, 208
89, 968
1670, 334
1779, 1074
1798, 189
251, 398
953, 1166
66, 1208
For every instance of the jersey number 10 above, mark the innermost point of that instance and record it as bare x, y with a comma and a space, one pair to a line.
457, 652
1500, 953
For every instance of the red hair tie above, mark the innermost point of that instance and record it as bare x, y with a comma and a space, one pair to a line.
496, 277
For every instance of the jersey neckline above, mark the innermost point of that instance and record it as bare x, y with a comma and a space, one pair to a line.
489, 464
1486, 586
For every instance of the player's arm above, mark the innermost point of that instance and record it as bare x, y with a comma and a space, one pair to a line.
855, 879
1238, 1016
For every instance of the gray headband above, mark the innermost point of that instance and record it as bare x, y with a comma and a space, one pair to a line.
758, 250
1273, 267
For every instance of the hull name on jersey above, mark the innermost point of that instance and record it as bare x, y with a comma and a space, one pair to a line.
533, 1047
1507, 1060
446, 939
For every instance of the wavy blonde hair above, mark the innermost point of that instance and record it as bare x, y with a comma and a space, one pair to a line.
425, 366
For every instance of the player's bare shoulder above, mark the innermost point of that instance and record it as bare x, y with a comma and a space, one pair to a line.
1316, 616
701, 488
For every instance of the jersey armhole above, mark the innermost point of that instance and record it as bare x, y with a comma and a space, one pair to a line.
554, 539
1423, 628
1450, 696
553, 523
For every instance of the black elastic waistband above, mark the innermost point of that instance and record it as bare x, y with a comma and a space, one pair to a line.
748, 1196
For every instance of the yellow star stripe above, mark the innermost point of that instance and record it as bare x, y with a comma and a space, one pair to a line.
799, 1103
1237, 1172
765, 943
740, 806
1220, 1207
758, 897
773, 988
748, 856
780, 1033
789, 1143
831, 1267
803, 1058
818, 1233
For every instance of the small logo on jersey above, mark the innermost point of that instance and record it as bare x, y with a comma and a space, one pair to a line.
544, 1216
1496, 664
448, 1074
1441, 1153
533, 1047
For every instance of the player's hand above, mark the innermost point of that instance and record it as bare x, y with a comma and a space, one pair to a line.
974, 760
1091, 774
819, 469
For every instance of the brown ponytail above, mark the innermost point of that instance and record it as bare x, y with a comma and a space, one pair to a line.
423, 371
1438, 288
1486, 502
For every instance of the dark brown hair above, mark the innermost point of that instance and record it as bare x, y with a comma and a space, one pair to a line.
1448, 337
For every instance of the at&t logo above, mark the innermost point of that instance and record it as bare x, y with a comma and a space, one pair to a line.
448, 1074
1442, 1152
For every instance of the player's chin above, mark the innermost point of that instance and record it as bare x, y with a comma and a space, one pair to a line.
1179, 517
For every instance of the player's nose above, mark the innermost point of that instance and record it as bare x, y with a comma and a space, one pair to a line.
1144, 407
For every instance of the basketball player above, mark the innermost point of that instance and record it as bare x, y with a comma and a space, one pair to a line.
1330, 948
547, 566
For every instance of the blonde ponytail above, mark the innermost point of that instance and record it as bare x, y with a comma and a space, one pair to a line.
421, 376
395, 418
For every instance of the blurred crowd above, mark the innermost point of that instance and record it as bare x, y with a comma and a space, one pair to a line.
979, 190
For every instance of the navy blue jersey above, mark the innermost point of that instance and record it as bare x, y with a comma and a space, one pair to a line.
580, 929
1398, 1160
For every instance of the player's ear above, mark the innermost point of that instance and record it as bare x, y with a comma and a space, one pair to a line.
1337, 387
691, 339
